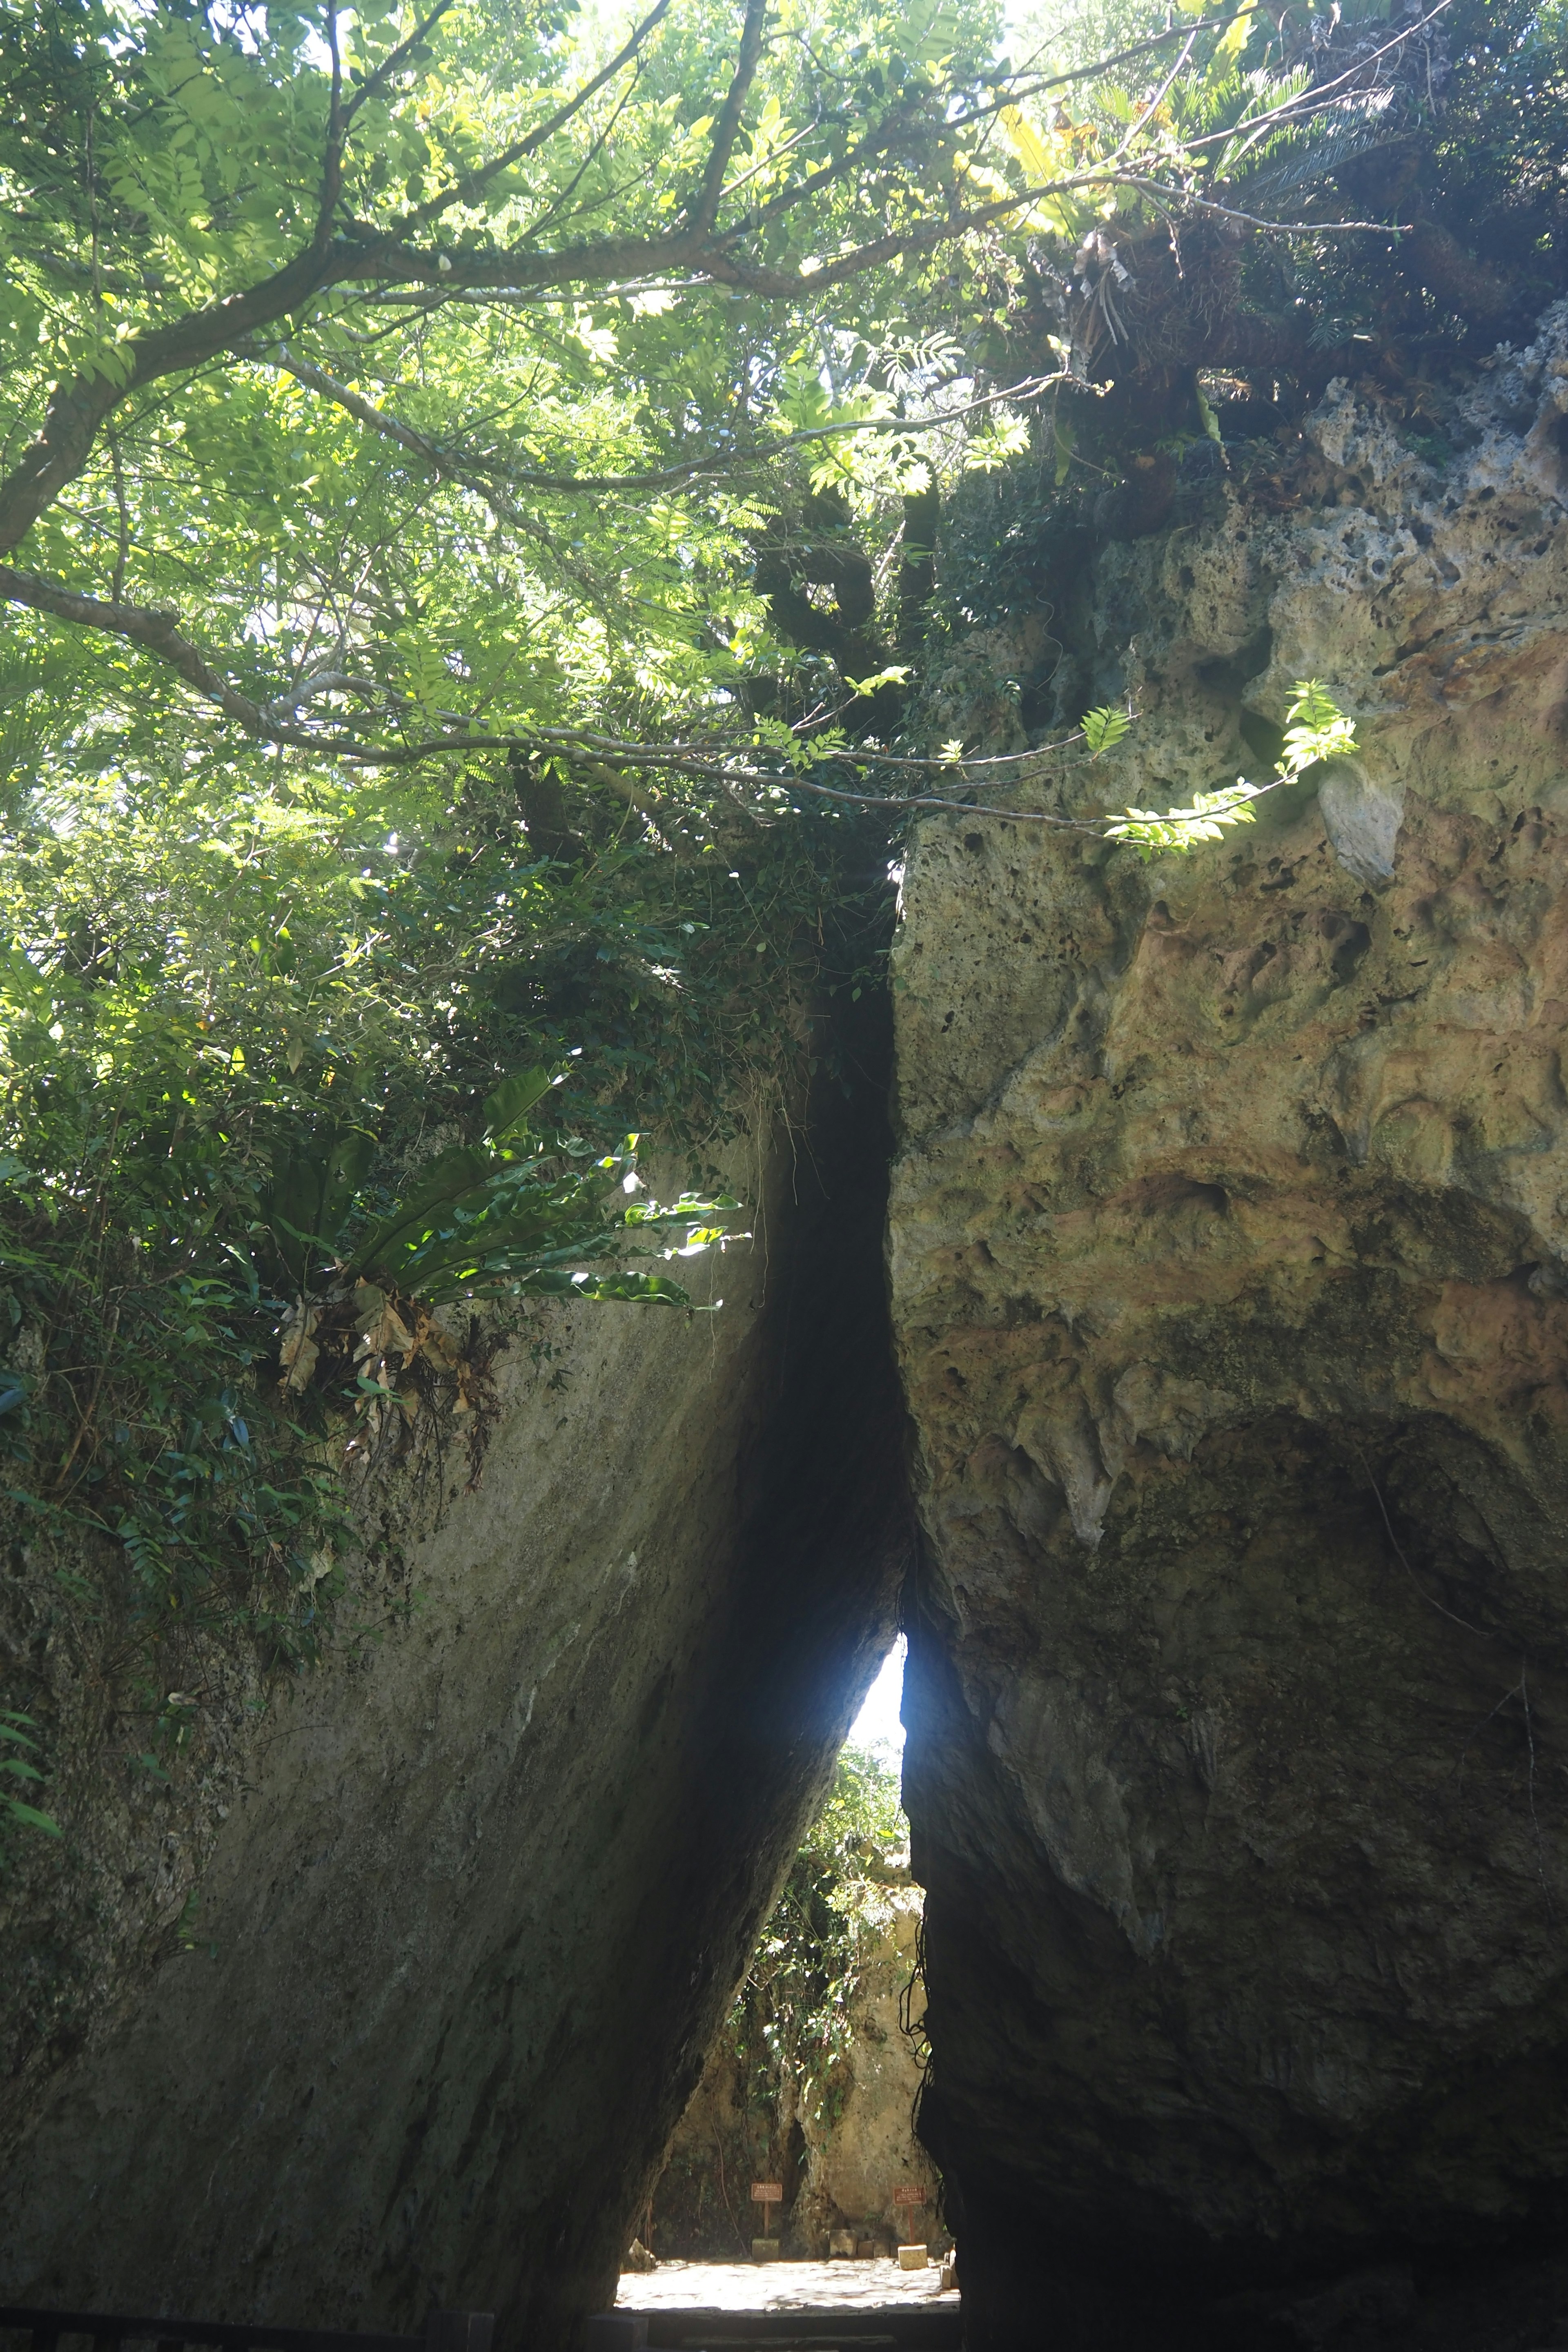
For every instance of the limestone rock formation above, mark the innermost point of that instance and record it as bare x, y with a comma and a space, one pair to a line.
467, 1936
1229, 1253
863, 2147
1228, 1246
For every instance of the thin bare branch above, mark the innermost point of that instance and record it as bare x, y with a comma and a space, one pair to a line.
1314, 99
317, 380
1146, 119
159, 632
1018, 90
560, 203
727, 130
785, 147
483, 473
332, 159
362, 255
372, 86
1157, 189
470, 185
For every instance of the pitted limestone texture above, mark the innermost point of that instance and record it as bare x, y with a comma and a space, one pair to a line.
1230, 1261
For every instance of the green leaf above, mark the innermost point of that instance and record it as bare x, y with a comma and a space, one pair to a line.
1231, 43
640, 1289
1104, 729
1315, 728
1179, 831
311, 1191
30, 1816
507, 1109
454, 1177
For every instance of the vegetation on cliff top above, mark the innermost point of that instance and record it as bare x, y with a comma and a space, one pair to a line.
471, 484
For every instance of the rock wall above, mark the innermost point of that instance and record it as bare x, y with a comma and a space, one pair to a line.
1227, 1244
402, 2063
863, 2147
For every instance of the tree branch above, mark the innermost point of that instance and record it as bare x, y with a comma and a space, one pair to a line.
482, 474
943, 230
144, 624
333, 160
359, 253
649, 808
728, 128
1020, 88
159, 632
464, 191
79, 404
284, 707
316, 379
376, 82
478, 472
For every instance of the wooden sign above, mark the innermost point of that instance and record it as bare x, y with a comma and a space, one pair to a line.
767, 2192
911, 2193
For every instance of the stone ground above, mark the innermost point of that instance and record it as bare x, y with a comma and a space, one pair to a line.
778, 2286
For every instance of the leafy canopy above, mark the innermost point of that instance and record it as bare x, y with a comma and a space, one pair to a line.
461, 481
793, 2017
398, 382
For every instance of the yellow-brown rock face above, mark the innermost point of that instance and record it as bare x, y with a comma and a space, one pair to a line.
1228, 1247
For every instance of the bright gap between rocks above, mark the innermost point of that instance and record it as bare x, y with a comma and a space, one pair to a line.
794, 2177
877, 1726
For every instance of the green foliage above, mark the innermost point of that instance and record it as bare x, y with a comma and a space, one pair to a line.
395, 414
1104, 729
1315, 730
483, 1224
15, 1730
503, 471
234, 1005
433, 382
792, 2017
779, 2062
509, 1217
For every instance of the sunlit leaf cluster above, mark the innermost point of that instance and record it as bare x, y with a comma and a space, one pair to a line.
1316, 730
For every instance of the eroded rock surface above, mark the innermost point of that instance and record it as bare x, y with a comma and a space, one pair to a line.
467, 1936
1228, 1245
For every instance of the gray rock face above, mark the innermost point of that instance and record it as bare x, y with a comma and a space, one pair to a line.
1229, 1270
467, 1936
1228, 1241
